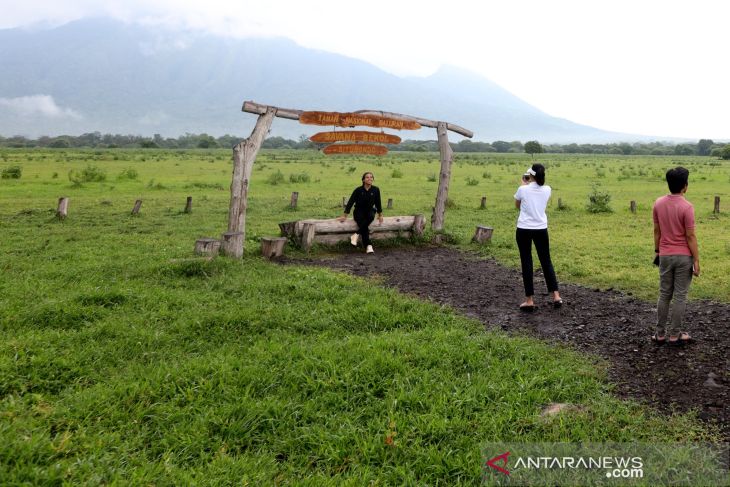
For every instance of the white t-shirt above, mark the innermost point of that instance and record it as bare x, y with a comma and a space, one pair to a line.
533, 199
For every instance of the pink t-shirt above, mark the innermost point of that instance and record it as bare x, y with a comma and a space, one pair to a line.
675, 215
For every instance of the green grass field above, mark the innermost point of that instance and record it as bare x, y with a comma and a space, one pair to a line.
123, 361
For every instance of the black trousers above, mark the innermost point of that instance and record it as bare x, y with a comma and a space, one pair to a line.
363, 221
542, 245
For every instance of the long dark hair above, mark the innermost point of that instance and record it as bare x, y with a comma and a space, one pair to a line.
539, 173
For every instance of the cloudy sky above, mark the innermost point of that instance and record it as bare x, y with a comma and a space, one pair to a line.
640, 66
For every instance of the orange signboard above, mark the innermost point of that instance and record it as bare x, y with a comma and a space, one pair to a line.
355, 136
373, 150
352, 119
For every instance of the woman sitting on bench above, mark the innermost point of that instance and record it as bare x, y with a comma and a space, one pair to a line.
366, 199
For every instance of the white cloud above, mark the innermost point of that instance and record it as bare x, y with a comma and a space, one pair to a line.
43, 105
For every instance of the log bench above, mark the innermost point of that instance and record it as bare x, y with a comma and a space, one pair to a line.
332, 231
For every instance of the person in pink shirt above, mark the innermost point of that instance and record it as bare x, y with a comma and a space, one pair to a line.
675, 244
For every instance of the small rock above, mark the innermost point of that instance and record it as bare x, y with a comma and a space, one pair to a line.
710, 382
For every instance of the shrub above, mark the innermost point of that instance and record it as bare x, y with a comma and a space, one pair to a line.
598, 201
470, 181
275, 178
12, 172
93, 174
396, 174
128, 174
299, 178
431, 178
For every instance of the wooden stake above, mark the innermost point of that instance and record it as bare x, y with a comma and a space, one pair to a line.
232, 244
62, 211
294, 198
717, 205
137, 207
272, 247
483, 204
447, 156
390, 204
189, 205
244, 155
632, 206
482, 234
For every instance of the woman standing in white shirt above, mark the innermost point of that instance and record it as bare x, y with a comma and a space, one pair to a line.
531, 199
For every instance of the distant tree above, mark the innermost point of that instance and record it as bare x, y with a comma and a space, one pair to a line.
533, 147
516, 146
206, 141
501, 146
626, 149
704, 146
683, 150
725, 152
148, 144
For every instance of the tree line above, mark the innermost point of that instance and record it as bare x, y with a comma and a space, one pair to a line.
704, 147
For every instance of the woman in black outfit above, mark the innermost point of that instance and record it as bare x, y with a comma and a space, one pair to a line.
366, 199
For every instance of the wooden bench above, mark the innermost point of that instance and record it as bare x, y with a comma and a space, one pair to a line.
332, 231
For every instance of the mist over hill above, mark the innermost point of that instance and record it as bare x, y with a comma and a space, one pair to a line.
112, 77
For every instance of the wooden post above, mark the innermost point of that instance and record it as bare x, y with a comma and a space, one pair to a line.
244, 155
137, 206
232, 244
307, 236
717, 205
207, 246
419, 223
294, 198
482, 234
560, 203
62, 211
483, 204
447, 156
189, 205
272, 247
390, 204
632, 206
344, 202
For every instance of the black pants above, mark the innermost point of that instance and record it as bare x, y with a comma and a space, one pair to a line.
542, 245
363, 221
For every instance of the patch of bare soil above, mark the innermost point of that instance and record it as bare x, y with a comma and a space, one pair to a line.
604, 322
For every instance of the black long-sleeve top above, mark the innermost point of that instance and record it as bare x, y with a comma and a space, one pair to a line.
365, 200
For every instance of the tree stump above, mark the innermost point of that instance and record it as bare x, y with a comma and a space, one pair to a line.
294, 198
717, 205
232, 244
419, 223
62, 211
390, 204
632, 206
483, 204
207, 246
307, 236
482, 234
272, 247
189, 205
137, 206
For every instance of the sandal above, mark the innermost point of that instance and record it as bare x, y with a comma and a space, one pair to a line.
528, 308
681, 339
659, 340
557, 303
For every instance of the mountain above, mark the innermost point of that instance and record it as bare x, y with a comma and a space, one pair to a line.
113, 77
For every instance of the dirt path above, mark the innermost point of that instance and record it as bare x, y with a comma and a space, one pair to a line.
607, 323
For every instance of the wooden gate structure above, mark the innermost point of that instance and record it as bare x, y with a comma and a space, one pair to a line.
244, 155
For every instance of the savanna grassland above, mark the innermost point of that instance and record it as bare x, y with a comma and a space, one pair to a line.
124, 361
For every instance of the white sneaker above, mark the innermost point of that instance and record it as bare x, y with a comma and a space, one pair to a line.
353, 239
370, 250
